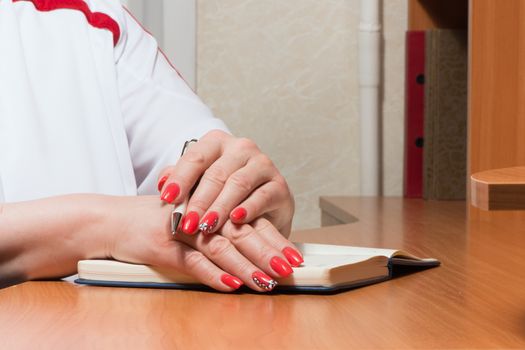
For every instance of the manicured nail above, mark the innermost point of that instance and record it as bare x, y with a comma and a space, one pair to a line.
238, 214
294, 258
190, 223
170, 193
264, 281
281, 267
209, 222
161, 183
231, 281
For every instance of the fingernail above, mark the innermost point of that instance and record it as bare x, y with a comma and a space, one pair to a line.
231, 281
190, 223
264, 281
209, 222
161, 183
170, 193
281, 267
293, 256
238, 214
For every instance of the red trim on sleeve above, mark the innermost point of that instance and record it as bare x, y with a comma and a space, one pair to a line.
96, 19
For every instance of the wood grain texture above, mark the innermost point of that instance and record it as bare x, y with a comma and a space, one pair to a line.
428, 14
499, 189
497, 91
474, 300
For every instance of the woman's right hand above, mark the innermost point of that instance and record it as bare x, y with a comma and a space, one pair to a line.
252, 254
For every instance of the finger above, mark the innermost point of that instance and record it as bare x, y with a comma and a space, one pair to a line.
248, 241
272, 197
269, 233
236, 155
183, 175
220, 250
210, 185
181, 257
238, 187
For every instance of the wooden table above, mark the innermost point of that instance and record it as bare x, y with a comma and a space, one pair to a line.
476, 299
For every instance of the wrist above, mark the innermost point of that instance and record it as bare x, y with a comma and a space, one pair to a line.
97, 226
127, 222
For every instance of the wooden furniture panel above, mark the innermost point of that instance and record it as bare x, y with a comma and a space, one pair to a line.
497, 90
474, 300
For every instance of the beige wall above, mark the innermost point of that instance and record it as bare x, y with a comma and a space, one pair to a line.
284, 73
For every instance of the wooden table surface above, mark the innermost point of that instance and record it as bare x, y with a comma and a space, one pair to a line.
476, 299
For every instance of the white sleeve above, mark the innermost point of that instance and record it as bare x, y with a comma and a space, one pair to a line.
159, 109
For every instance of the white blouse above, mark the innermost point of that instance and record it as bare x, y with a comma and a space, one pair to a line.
88, 104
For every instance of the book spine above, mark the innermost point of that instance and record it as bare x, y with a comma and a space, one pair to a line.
414, 113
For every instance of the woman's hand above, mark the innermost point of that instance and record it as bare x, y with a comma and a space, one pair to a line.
46, 238
254, 254
238, 182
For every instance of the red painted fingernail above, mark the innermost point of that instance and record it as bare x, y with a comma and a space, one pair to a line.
209, 222
238, 214
190, 223
231, 281
293, 256
161, 183
281, 267
170, 193
264, 281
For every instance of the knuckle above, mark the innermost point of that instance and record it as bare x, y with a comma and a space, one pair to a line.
218, 247
194, 157
215, 134
194, 260
266, 197
216, 175
239, 234
263, 225
241, 181
281, 181
245, 143
265, 161
244, 269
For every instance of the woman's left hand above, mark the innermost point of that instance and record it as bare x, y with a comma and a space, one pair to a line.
237, 182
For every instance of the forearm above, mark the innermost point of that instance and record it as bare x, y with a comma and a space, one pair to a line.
45, 238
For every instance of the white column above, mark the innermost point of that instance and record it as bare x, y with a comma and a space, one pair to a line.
180, 37
136, 8
153, 18
369, 96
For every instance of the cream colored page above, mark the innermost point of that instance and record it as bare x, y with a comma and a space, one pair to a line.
339, 250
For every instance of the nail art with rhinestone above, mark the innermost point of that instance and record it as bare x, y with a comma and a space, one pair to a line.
264, 281
209, 222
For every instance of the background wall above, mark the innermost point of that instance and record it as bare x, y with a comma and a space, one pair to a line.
284, 73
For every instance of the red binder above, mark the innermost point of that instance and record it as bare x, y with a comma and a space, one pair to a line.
414, 113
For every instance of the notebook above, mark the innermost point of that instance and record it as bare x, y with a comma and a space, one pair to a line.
326, 268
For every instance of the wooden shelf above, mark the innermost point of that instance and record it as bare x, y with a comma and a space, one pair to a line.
496, 87
499, 189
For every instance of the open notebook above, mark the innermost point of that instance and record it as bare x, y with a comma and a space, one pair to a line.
326, 268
